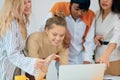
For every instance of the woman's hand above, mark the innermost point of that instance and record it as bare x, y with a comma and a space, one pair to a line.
97, 39
103, 59
105, 56
43, 64
86, 62
39, 63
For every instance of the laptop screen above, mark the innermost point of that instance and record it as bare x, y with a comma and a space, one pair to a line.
82, 72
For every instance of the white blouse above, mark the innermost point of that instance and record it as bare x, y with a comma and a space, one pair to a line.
109, 28
11, 55
77, 29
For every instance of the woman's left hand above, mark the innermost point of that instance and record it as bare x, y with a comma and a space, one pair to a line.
103, 59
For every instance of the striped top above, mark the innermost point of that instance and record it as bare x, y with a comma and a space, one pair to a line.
11, 46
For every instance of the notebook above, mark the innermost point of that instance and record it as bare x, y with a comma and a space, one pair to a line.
82, 72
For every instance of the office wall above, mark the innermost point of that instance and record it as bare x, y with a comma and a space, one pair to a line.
41, 8
1, 3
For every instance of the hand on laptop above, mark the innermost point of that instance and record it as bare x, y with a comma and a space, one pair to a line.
44, 68
103, 59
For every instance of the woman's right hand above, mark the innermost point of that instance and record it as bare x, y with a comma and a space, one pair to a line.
43, 64
97, 39
39, 63
51, 57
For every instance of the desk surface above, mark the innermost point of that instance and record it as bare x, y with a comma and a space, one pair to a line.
107, 77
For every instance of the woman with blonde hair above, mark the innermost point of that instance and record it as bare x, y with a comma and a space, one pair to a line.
13, 20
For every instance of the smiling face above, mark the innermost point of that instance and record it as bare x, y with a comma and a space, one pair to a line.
106, 4
28, 5
56, 34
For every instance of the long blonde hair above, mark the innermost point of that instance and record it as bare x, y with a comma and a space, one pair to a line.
13, 9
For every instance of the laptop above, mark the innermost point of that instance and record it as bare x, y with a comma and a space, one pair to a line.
82, 72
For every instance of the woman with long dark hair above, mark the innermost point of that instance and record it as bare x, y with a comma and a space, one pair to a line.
107, 35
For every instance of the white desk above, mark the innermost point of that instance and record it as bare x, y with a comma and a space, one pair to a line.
109, 77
